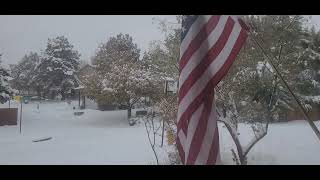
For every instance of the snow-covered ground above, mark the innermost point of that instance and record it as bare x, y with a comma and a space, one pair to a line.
96, 137
104, 137
286, 143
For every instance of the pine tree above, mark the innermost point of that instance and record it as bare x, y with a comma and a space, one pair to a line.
308, 64
58, 64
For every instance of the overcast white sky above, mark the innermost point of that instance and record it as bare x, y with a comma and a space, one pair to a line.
24, 33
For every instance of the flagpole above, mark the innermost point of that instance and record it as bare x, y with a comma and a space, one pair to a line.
307, 118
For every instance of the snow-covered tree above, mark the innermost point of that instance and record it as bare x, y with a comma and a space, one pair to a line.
307, 79
120, 47
163, 57
57, 66
24, 73
121, 79
252, 92
127, 82
157, 58
5, 90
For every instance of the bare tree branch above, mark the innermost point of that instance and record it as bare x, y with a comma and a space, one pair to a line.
148, 133
235, 140
254, 141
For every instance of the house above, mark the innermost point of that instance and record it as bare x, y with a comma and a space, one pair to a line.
314, 114
86, 70
84, 101
170, 85
313, 110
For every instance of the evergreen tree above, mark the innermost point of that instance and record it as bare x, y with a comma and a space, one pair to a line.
58, 64
5, 90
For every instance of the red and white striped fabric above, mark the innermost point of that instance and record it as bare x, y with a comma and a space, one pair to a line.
209, 45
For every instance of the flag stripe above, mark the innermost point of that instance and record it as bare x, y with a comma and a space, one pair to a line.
209, 46
187, 22
202, 51
197, 41
207, 60
192, 32
235, 50
211, 71
183, 139
192, 125
206, 144
211, 84
214, 149
180, 150
199, 134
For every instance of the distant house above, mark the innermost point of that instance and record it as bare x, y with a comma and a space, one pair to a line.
170, 85
84, 101
313, 110
85, 70
53, 92
314, 114
28, 92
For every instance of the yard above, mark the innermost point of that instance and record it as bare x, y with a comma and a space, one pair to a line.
105, 137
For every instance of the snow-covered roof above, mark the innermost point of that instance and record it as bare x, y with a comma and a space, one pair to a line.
108, 89
169, 79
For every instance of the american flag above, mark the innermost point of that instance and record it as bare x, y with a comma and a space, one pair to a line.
209, 45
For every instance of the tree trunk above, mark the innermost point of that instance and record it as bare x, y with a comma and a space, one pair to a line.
63, 96
242, 157
129, 112
162, 136
39, 93
84, 102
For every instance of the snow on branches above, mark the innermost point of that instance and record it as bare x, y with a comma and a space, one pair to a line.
5, 89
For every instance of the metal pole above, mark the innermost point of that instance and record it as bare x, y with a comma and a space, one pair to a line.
20, 113
307, 118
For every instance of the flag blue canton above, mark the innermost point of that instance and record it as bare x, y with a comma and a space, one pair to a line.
187, 21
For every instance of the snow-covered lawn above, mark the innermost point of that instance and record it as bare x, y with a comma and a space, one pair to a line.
286, 143
96, 137
104, 137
